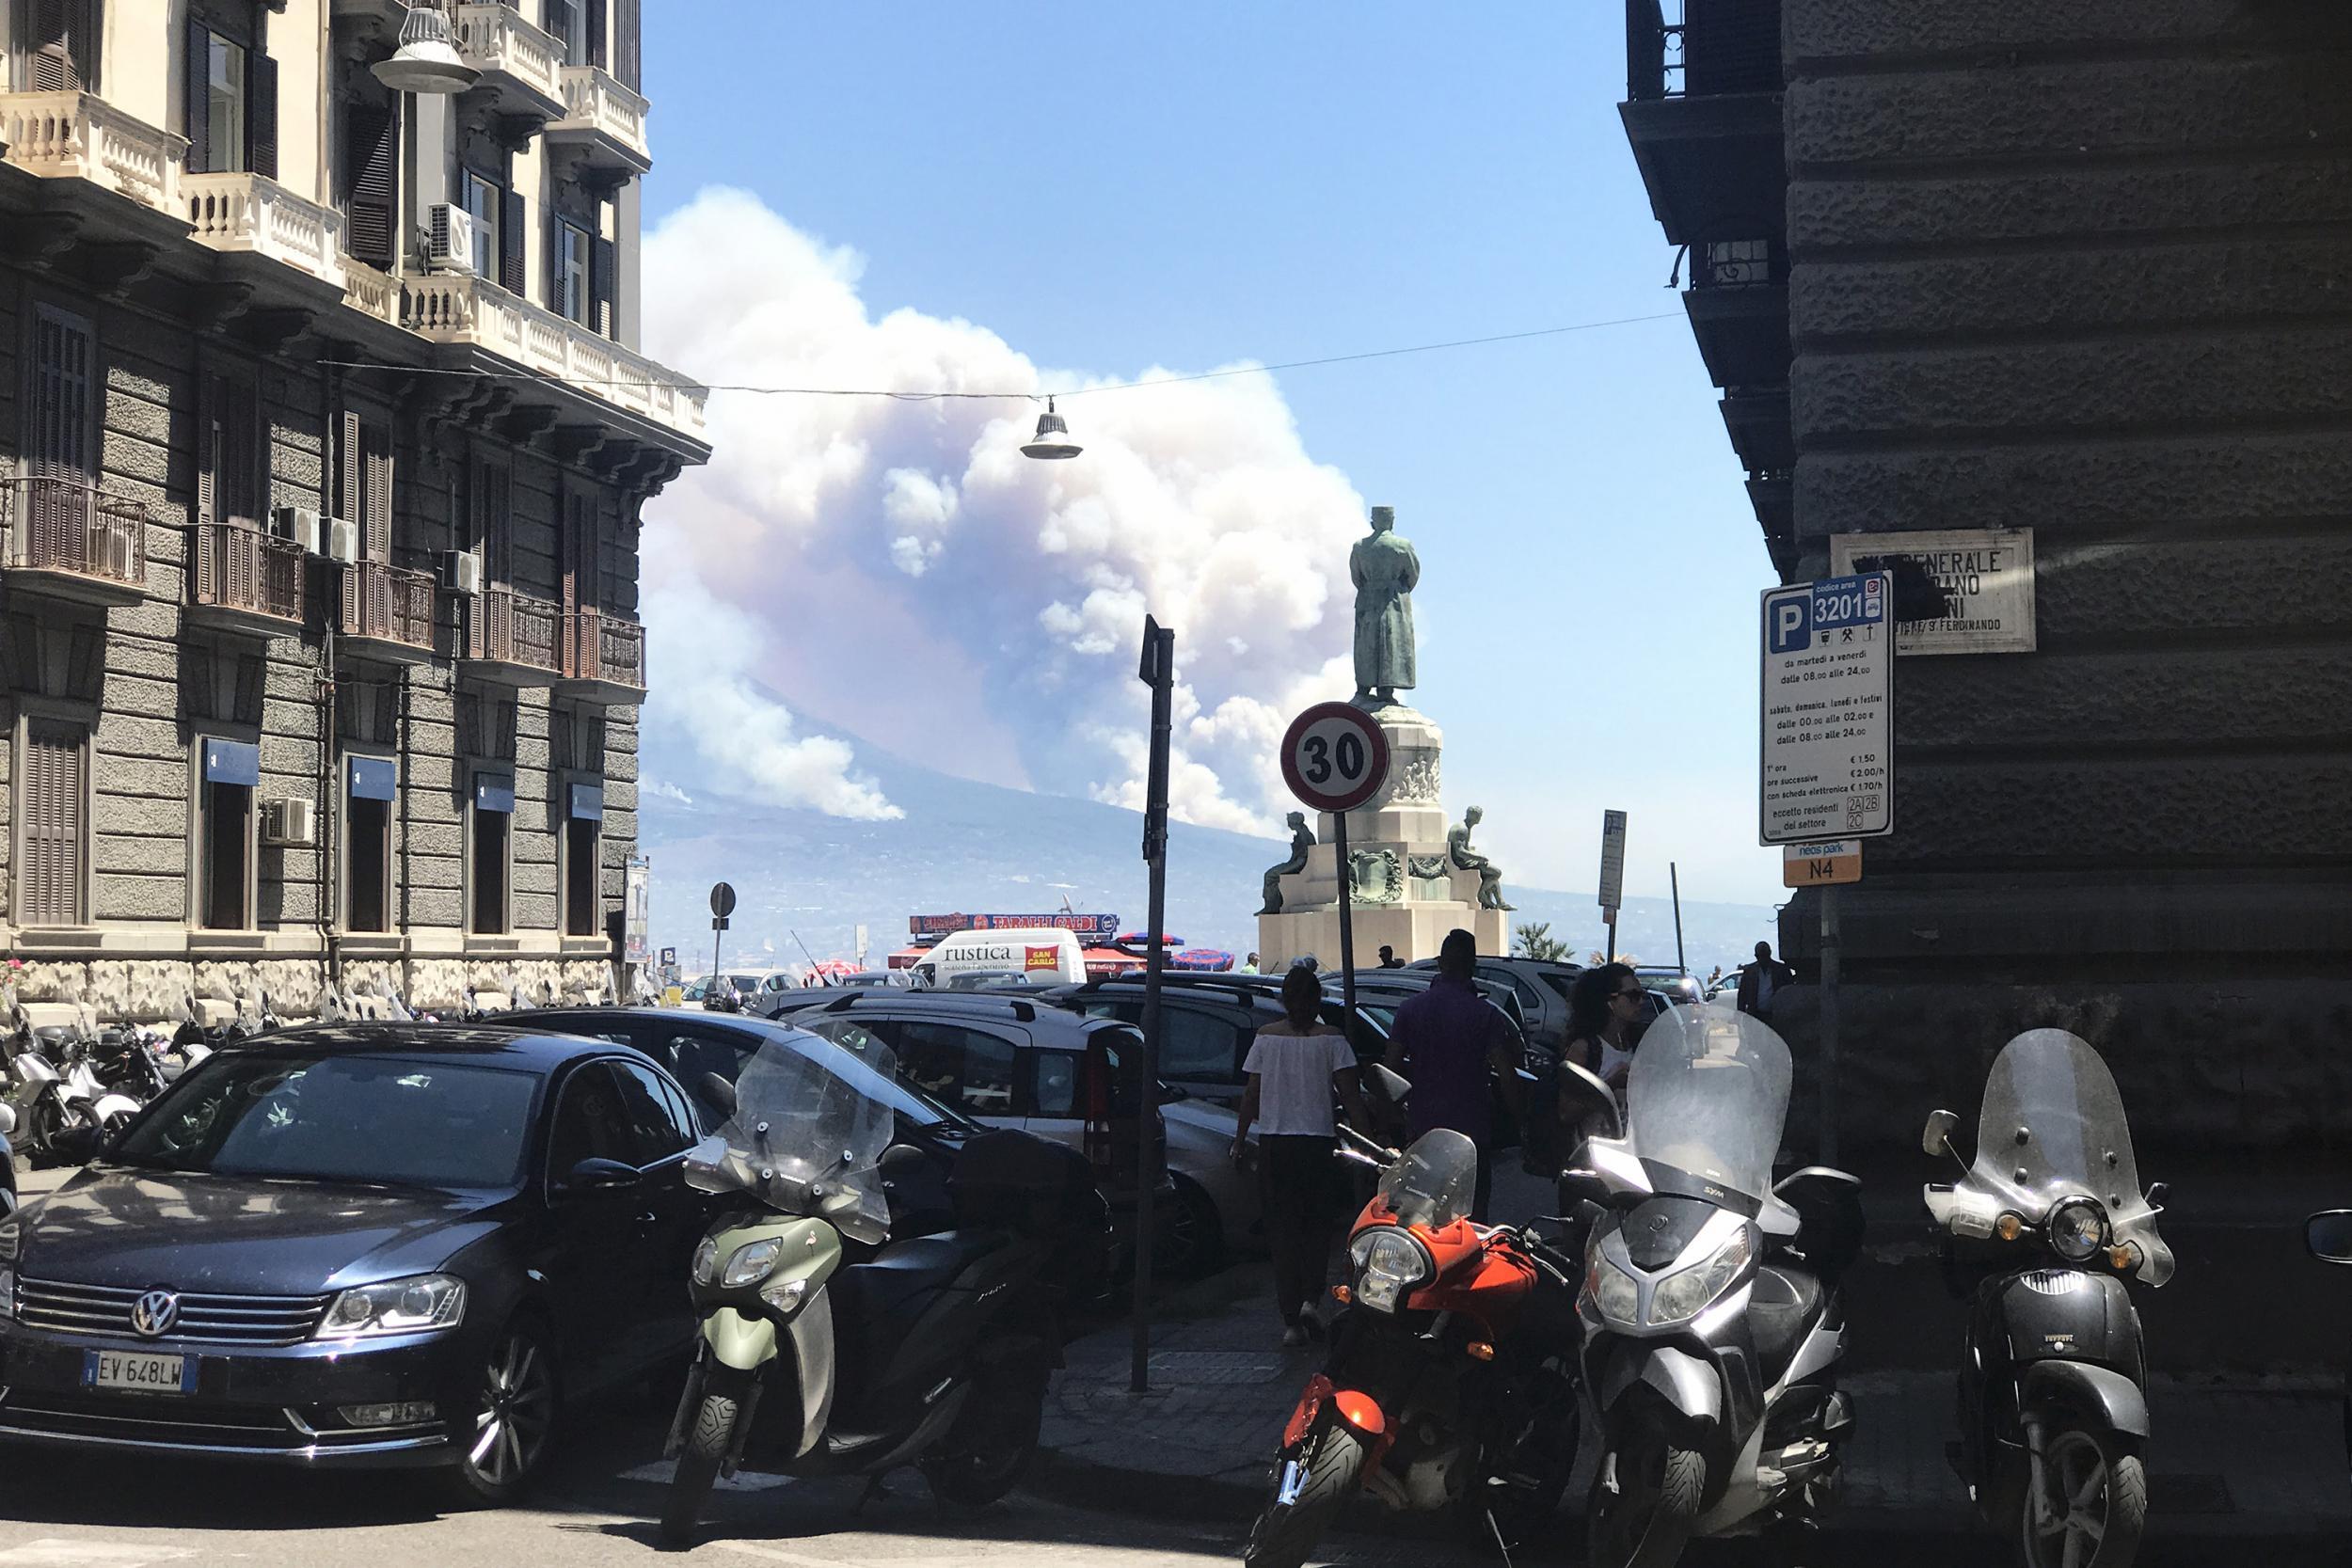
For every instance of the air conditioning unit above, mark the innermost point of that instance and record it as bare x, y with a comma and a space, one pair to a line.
461, 572
303, 526
343, 541
447, 238
290, 819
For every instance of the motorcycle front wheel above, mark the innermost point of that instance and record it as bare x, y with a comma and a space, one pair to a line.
2090, 1508
1332, 1463
706, 1443
1647, 1522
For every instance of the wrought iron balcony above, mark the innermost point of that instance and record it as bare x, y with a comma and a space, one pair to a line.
1701, 48
514, 639
604, 119
79, 136
249, 212
604, 657
242, 580
1739, 307
73, 540
388, 612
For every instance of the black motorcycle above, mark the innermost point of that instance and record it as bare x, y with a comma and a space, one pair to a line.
2041, 1236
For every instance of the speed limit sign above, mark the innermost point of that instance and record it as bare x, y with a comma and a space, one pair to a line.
1334, 757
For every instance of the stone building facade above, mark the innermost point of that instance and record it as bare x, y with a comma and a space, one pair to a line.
318, 619
2081, 270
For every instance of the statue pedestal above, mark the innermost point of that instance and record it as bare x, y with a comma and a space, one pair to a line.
1408, 893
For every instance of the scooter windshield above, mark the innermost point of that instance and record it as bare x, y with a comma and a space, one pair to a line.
1706, 1098
1436, 1182
2053, 1127
811, 1122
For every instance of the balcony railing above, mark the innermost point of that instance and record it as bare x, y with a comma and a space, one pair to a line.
605, 649
249, 212
456, 307
495, 39
1735, 265
240, 568
78, 135
387, 604
506, 627
56, 525
1701, 48
598, 104
370, 292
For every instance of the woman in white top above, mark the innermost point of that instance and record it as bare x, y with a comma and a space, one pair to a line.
1297, 1069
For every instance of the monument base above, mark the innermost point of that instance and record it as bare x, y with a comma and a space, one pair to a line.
1414, 930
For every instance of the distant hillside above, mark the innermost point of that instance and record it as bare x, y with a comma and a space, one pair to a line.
973, 847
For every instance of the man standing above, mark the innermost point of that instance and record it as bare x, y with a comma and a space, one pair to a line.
1453, 1046
1250, 965
1762, 980
1389, 959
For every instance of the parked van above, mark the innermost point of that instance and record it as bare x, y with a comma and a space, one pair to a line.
1040, 953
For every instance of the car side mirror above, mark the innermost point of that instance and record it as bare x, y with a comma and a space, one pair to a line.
2329, 1235
596, 1174
717, 1091
1937, 1137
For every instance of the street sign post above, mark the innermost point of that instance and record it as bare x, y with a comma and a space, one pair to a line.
1156, 669
722, 906
1335, 757
1612, 874
1827, 732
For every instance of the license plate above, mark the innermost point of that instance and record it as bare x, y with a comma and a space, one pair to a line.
139, 1372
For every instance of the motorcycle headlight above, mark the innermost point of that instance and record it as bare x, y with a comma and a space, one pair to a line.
1613, 1290
753, 1263
412, 1306
2077, 1228
1387, 1264
706, 1262
1685, 1295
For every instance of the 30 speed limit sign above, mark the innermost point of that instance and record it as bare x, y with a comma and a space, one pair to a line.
1334, 757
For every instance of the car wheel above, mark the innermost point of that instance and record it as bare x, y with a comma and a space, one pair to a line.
511, 1424
1195, 1233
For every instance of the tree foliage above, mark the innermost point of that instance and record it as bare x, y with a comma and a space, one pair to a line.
1535, 940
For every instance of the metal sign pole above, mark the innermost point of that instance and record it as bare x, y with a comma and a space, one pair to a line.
1673, 881
1347, 916
1829, 1024
1159, 671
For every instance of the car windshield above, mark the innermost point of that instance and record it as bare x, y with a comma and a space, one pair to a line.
414, 1122
811, 1122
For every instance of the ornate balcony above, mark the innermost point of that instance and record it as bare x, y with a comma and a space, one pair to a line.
386, 612
250, 214
604, 120
520, 64
241, 579
604, 658
72, 541
514, 639
456, 307
1701, 111
78, 135
370, 292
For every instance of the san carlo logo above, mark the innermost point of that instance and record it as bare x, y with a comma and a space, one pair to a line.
155, 1313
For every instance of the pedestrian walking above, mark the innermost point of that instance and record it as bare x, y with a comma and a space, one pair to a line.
1389, 959
1296, 1068
1453, 1047
1762, 980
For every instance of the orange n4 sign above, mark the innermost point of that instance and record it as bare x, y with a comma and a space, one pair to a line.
1821, 864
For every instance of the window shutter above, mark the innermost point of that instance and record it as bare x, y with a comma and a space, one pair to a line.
198, 79
347, 490
604, 258
375, 452
63, 371
50, 886
511, 246
208, 418
261, 114
628, 44
555, 266
58, 45
596, 33
370, 159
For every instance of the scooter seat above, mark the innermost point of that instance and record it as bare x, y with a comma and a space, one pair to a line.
872, 1289
1781, 1309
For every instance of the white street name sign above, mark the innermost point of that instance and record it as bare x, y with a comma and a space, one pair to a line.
1985, 575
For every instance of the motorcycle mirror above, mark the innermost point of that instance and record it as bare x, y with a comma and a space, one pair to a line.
2157, 1193
1937, 1138
899, 1157
1392, 1088
718, 1092
2329, 1236
1579, 1083
1582, 1186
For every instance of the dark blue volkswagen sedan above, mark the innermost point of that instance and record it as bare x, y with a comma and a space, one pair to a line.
386, 1244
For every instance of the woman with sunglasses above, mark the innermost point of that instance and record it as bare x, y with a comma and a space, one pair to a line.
1607, 1011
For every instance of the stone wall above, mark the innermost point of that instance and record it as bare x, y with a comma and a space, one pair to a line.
2081, 269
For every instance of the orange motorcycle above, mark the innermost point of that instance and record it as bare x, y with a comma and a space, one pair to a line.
1449, 1383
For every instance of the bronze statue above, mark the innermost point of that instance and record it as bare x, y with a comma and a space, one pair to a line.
1458, 850
1384, 569
1302, 840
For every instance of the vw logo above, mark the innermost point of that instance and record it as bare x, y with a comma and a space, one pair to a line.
155, 1313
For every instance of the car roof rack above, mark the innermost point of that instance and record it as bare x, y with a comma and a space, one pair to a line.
844, 1003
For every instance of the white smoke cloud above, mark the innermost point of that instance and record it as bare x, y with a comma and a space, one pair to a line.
742, 735
905, 573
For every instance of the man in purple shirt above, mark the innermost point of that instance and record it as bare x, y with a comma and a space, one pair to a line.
1453, 1046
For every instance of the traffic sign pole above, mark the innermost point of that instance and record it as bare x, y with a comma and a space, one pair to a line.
1157, 671
1347, 917
1829, 1023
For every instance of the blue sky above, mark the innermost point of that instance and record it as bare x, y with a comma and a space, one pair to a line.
1117, 187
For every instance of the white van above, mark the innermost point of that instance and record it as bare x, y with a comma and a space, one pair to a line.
1032, 953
